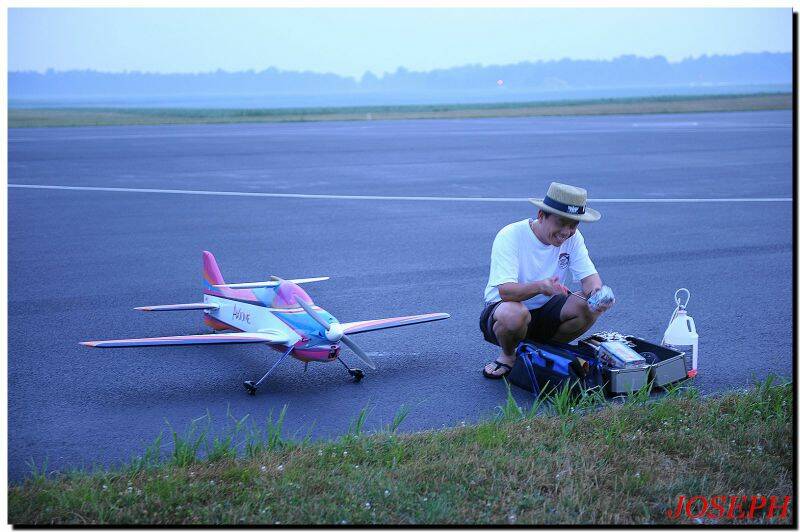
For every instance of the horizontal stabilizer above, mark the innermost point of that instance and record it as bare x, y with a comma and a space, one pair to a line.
355, 327
183, 306
270, 337
265, 284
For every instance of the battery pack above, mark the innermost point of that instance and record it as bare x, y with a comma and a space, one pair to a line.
620, 356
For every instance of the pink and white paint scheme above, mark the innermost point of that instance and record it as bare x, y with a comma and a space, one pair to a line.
276, 312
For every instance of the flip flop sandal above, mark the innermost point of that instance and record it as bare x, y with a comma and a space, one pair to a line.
497, 365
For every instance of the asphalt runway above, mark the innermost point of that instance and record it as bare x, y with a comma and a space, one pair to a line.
80, 260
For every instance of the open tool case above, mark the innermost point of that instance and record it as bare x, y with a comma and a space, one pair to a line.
556, 364
665, 365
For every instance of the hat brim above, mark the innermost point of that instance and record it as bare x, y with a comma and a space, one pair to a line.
590, 215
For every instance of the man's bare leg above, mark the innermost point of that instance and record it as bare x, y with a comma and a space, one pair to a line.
577, 318
511, 321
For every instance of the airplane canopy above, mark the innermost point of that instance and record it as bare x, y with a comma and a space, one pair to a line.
287, 293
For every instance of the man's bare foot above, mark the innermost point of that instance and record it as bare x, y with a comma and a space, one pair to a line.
500, 367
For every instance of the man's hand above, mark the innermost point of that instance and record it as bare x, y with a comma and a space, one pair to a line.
524, 291
601, 299
551, 287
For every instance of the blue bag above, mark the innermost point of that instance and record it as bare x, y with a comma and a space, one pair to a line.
554, 365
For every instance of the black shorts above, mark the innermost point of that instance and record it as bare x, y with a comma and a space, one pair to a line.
545, 320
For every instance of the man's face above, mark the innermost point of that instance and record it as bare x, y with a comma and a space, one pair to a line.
557, 229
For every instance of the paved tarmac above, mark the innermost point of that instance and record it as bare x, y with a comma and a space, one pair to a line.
80, 260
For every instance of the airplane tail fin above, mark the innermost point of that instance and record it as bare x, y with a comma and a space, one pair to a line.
211, 274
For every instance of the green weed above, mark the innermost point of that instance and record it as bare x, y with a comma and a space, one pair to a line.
38, 472
640, 396
150, 458
399, 417
270, 439
510, 411
563, 401
539, 401
225, 446
590, 399
357, 425
274, 430
187, 445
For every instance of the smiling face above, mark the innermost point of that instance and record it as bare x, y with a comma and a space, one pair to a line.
555, 230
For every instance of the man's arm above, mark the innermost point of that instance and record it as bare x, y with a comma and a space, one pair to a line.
524, 291
591, 284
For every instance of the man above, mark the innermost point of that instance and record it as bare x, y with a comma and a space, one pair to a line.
526, 296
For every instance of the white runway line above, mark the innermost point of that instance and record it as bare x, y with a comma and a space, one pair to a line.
383, 198
665, 124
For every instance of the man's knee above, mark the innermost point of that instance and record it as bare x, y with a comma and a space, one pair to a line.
587, 315
578, 320
511, 316
578, 309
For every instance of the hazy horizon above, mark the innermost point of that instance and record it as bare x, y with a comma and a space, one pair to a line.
380, 75
352, 42
628, 76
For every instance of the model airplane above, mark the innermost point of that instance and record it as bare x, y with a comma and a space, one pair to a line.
276, 312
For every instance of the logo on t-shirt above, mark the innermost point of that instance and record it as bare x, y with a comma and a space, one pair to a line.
563, 260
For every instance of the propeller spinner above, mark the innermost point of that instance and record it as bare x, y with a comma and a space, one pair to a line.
334, 333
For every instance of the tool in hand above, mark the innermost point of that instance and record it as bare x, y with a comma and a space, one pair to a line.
577, 295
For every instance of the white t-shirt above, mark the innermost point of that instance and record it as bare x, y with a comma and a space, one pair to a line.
518, 256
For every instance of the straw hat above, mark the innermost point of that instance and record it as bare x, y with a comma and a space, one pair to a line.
567, 201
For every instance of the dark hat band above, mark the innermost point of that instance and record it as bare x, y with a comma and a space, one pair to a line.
564, 207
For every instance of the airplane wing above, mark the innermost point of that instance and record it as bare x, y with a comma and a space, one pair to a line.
355, 327
269, 337
264, 284
182, 306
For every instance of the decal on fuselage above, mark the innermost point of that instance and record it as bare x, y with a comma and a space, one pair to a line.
240, 315
248, 318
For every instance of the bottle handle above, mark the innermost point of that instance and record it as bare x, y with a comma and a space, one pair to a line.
678, 300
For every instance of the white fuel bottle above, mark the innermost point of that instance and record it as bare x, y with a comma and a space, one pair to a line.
681, 334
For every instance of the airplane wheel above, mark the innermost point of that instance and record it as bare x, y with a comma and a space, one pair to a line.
357, 374
250, 387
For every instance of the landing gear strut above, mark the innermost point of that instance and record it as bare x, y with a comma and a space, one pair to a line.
251, 386
356, 373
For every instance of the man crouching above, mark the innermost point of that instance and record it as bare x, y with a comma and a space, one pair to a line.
525, 297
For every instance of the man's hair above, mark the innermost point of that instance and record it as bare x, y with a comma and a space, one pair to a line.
548, 214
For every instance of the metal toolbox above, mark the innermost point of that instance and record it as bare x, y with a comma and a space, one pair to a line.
616, 380
625, 380
666, 365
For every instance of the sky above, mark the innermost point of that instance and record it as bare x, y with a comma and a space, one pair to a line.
352, 41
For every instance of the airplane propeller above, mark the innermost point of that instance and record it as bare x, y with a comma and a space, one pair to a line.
334, 333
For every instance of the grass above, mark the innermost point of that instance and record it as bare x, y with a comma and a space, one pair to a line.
71, 117
580, 460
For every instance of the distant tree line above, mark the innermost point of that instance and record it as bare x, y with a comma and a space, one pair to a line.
623, 71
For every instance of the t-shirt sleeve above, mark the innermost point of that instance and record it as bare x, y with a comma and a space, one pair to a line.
580, 264
505, 262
